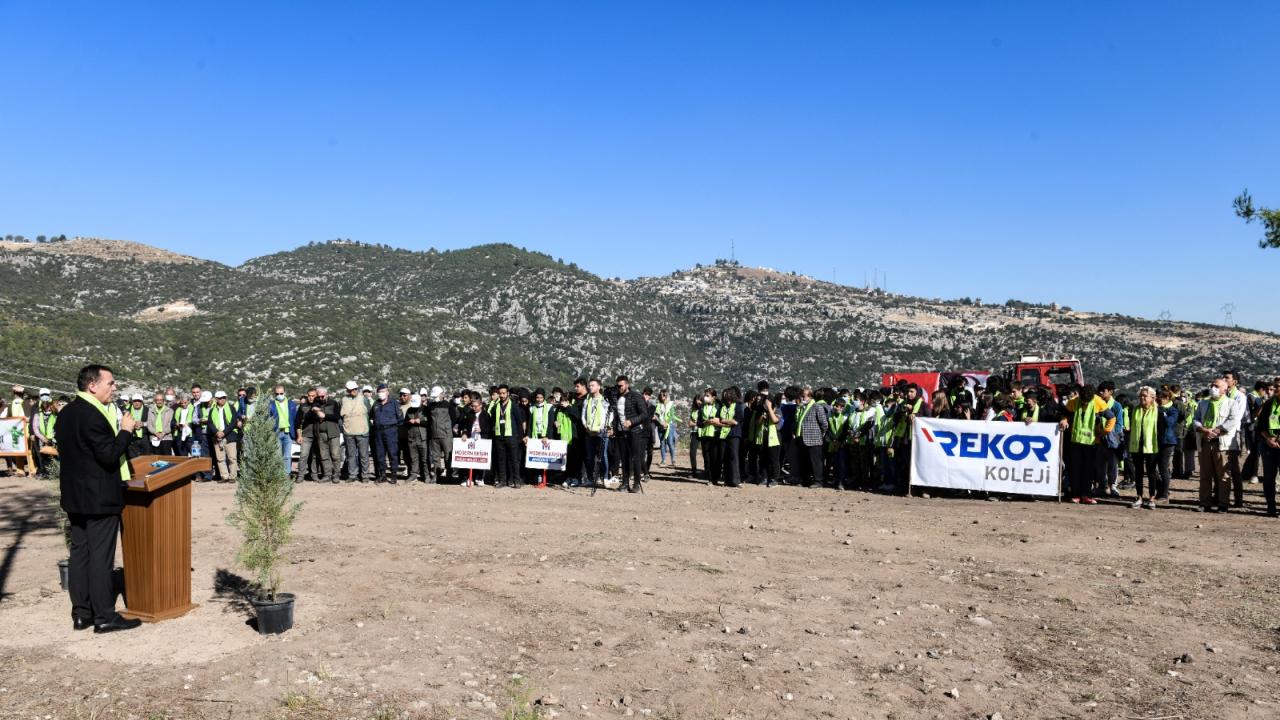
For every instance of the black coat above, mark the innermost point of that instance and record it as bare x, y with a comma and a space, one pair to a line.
466, 418
637, 411
90, 451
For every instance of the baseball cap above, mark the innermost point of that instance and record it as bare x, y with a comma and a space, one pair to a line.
220, 394
382, 386
404, 391
368, 388
422, 391
136, 396
436, 390
351, 385
206, 396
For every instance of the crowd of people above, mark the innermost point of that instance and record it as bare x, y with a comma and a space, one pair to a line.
813, 437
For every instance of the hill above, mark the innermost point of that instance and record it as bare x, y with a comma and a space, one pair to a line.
331, 311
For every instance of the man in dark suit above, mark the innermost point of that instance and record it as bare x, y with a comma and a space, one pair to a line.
93, 437
631, 424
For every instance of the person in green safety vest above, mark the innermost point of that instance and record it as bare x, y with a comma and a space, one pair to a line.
729, 422
136, 410
695, 415
766, 439
1144, 447
1269, 419
667, 420
837, 457
159, 426
224, 432
708, 436
1087, 417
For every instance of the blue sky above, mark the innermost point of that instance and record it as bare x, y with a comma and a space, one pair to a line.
1085, 153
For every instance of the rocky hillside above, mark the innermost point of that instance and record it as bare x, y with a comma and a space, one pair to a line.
332, 311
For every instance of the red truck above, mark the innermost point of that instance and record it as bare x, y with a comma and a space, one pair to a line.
1030, 370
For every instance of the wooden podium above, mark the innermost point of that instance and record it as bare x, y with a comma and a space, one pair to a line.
156, 534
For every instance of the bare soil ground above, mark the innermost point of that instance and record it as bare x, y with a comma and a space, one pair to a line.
685, 602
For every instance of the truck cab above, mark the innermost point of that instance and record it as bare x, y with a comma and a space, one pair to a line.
1032, 370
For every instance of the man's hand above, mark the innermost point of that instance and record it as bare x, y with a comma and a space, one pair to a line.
626, 424
320, 413
1063, 424
220, 435
127, 423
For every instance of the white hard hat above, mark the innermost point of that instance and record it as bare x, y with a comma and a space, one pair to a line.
206, 396
351, 385
220, 394
436, 391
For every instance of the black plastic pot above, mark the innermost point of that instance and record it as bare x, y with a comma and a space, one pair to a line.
274, 616
64, 573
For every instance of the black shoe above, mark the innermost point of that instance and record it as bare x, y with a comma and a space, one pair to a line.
81, 624
116, 623
1223, 509
392, 480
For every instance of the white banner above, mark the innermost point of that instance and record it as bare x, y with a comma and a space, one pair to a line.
999, 457
475, 454
546, 454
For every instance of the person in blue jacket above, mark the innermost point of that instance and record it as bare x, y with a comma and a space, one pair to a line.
385, 419
283, 414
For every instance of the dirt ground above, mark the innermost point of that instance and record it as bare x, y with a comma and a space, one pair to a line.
685, 602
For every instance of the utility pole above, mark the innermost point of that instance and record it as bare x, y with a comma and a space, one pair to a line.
733, 251
1227, 310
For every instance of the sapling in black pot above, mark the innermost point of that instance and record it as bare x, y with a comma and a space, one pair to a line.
264, 513
53, 481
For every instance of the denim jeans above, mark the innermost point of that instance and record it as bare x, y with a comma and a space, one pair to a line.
286, 450
668, 445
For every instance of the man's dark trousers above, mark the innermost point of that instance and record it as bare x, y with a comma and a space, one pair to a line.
632, 456
93, 558
386, 450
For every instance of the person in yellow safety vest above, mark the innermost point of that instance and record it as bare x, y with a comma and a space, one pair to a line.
1087, 418
595, 426
541, 427
667, 421
764, 433
708, 436
136, 410
695, 447
910, 406
1269, 418
837, 455
160, 426
728, 422
224, 431
1144, 447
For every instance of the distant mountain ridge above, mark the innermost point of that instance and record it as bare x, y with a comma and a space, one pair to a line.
328, 312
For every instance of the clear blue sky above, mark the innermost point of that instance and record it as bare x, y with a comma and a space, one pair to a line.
1080, 152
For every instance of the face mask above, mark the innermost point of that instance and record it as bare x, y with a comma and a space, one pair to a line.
382, 395
280, 397
1214, 392
856, 405
168, 398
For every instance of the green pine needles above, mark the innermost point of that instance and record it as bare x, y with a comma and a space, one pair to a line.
264, 510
